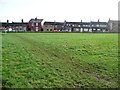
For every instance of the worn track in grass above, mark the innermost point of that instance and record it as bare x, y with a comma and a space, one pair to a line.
34, 60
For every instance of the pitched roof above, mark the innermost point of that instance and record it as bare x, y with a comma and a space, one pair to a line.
53, 23
36, 20
14, 23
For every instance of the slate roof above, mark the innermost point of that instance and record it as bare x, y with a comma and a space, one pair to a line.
36, 20
99, 22
14, 23
53, 23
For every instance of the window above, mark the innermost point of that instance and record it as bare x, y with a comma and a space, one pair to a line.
103, 26
36, 28
36, 24
97, 25
33, 24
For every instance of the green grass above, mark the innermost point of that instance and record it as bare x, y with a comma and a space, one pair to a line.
40, 60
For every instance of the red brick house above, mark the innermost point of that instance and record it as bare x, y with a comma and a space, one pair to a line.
35, 25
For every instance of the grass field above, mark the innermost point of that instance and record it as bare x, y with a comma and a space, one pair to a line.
48, 60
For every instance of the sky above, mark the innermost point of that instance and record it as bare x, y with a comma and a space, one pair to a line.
58, 10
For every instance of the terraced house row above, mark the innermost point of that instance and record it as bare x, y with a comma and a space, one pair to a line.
35, 25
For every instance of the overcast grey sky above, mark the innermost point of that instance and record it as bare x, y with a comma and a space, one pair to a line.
58, 10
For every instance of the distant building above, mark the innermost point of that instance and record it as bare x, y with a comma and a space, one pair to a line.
35, 25
76, 26
14, 26
53, 26
1, 28
113, 25
99, 26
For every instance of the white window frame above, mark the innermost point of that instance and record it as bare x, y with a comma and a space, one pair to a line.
36, 23
32, 24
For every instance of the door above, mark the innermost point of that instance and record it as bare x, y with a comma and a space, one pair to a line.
36, 28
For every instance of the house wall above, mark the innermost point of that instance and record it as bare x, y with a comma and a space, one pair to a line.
113, 26
74, 27
34, 26
48, 27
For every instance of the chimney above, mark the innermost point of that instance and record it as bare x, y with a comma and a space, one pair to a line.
81, 21
22, 20
98, 20
36, 18
8, 23
64, 22
109, 20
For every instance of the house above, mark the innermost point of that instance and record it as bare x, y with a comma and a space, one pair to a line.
72, 26
35, 25
113, 25
99, 26
14, 26
1, 27
93, 26
18, 26
86, 26
53, 26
